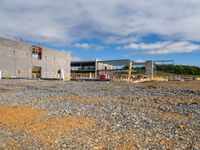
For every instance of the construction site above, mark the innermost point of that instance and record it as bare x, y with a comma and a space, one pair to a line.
110, 69
107, 104
125, 70
20, 60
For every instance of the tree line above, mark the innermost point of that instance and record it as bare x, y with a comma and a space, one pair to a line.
174, 69
179, 69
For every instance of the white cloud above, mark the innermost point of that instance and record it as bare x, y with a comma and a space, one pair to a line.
83, 45
87, 46
120, 40
162, 47
110, 21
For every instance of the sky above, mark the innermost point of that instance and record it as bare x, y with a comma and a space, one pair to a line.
108, 29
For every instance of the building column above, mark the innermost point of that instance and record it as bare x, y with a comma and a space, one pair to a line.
96, 68
130, 70
149, 67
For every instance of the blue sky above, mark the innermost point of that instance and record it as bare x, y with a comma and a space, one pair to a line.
114, 29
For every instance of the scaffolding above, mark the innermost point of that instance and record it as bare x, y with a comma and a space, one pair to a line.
115, 69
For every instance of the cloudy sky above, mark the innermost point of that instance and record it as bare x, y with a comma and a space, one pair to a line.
108, 29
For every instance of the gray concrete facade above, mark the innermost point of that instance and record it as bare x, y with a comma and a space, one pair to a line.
16, 60
149, 67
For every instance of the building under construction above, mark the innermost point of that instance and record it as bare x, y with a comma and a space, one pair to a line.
113, 69
116, 69
22, 60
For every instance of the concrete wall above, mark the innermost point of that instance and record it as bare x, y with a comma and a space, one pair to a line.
11, 63
16, 60
52, 61
149, 66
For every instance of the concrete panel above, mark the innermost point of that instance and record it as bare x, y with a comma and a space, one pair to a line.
149, 66
16, 60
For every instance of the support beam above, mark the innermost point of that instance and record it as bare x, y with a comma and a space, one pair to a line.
150, 68
96, 68
130, 70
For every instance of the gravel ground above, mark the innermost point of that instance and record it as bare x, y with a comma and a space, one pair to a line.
99, 115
